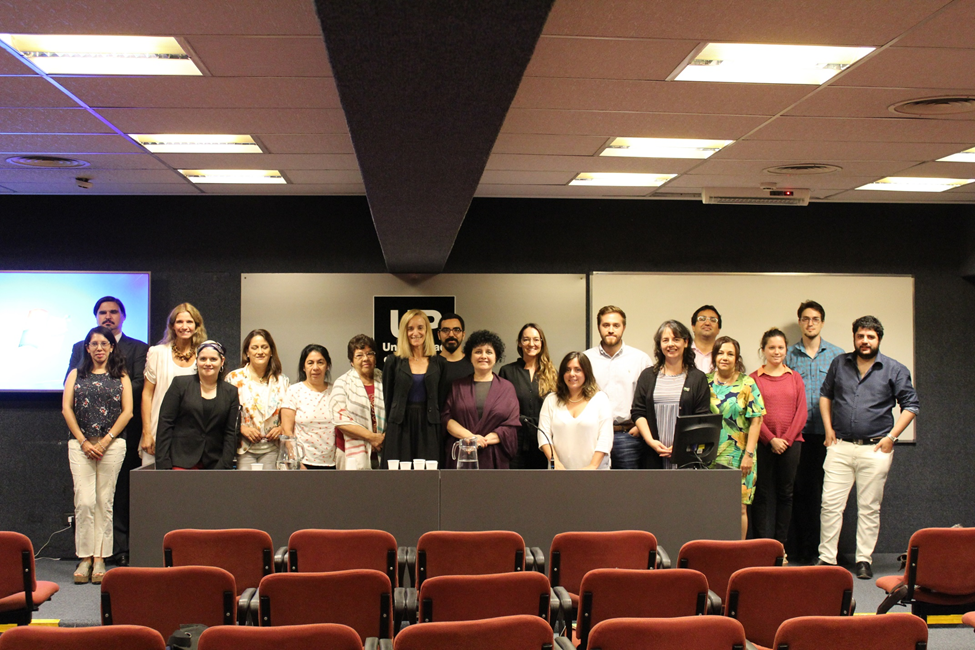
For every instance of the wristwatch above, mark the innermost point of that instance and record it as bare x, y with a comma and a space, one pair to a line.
751, 454
892, 438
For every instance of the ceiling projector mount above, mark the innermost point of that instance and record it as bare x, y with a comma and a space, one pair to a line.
767, 194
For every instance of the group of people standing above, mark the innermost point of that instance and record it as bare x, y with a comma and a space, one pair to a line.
608, 407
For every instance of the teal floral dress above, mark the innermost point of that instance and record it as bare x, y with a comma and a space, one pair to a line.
737, 403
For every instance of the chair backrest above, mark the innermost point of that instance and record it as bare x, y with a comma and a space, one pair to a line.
762, 597
505, 633
707, 632
246, 553
718, 559
941, 560
165, 598
16, 564
289, 637
316, 550
889, 631
634, 593
575, 554
445, 552
361, 599
116, 637
469, 598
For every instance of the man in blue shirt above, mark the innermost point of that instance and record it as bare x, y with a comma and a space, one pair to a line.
810, 357
856, 399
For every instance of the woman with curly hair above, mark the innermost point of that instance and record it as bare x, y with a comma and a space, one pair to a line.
483, 406
575, 427
533, 376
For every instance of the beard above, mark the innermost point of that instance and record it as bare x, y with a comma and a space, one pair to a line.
451, 345
868, 355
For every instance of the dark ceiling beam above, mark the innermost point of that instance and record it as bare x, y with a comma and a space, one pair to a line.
425, 86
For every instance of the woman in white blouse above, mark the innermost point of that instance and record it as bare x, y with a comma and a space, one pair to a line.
578, 418
305, 415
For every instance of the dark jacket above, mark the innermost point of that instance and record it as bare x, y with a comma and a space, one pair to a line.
695, 399
183, 438
397, 380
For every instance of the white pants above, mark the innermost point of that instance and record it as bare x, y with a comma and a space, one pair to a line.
845, 465
94, 497
268, 459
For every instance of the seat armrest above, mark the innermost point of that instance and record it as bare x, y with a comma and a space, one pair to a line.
853, 606
372, 643
412, 602
714, 603
529, 560
401, 564
244, 605
565, 609
564, 643
281, 560
663, 558
411, 564
539, 559
399, 607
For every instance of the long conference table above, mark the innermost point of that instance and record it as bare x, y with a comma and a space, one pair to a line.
675, 505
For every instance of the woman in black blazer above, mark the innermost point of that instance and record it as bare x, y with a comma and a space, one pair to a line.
200, 416
673, 386
414, 389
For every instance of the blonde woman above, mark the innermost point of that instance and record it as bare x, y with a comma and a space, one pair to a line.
533, 376
174, 356
414, 389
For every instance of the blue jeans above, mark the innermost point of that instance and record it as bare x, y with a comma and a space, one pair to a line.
628, 451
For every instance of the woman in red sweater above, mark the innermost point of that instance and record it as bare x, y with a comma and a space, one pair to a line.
780, 438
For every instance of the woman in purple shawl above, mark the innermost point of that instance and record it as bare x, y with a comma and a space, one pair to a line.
484, 406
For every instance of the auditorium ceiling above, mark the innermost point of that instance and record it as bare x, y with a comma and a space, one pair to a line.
498, 98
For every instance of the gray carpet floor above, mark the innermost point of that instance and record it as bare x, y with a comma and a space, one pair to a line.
78, 605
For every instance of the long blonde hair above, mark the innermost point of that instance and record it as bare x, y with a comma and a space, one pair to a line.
546, 371
199, 336
403, 341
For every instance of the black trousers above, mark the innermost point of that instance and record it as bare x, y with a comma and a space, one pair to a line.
776, 475
808, 499
120, 515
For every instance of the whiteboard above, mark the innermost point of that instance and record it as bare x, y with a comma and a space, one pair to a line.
752, 303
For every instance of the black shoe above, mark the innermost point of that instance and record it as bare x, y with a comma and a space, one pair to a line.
863, 571
821, 563
122, 559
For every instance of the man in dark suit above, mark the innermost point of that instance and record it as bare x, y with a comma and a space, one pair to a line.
110, 312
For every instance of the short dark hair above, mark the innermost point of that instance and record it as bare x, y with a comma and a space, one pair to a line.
739, 364
609, 309
869, 323
451, 316
308, 349
680, 331
702, 308
589, 388
99, 302
811, 304
484, 337
360, 342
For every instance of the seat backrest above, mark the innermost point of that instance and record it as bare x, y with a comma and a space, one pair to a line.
707, 632
246, 553
635, 593
942, 560
445, 552
166, 598
762, 597
890, 632
289, 637
361, 599
116, 637
469, 598
574, 554
718, 559
14, 548
316, 550
505, 633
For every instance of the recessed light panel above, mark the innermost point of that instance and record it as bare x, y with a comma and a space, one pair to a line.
968, 155
248, 176
621, 180
916, 184
190, 143
103, 55
770, 64
664, 147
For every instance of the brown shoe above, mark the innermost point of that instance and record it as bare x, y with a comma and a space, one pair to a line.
83, 573
98, 572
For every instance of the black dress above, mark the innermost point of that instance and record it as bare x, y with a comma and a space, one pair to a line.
529, 456
413, 430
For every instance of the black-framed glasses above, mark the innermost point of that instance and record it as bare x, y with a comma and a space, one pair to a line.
807, 319
452, 330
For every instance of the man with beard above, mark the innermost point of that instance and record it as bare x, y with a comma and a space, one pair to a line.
706, 323
856, 399
110, 312
451, 333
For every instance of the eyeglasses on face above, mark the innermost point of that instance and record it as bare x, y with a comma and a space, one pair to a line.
94, 345
360, 356
707, 319
452, 330
807, 319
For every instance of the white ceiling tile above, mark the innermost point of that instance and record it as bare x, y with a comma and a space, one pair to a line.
642, 125
867, 130
819, 150
31, 91
757, 167
323, 176
237, 120
355, 189
10, 64
523, 162
50, 120
560, 191
108, 188
67, 144
259, 161
950, 27
840, 101
262, 56
600, 58
97, 176
914, 67
558, 145
105, 161
942, 170
819, 182
336, 143
873, 196
521, 177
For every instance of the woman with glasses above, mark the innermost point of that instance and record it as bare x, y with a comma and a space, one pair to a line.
305, 416
358, 408
97, 404
533, 376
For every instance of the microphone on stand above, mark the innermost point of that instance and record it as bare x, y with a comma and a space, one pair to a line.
534, 424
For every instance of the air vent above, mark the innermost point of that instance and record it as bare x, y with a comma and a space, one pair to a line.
50, 162
948, 105
750, 196
803, 169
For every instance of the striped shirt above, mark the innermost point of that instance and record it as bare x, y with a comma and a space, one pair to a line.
813, 371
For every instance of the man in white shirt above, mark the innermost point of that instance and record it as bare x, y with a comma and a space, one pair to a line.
706, 323
616, 368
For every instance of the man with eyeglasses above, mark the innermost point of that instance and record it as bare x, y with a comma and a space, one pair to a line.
706, 323
451, 334
811, 358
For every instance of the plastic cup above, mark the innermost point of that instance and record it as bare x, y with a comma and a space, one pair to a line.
405, 464
419, 463
257, 467
393, 464
432, 464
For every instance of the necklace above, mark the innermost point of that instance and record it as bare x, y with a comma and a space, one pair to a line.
575, 401
183, 356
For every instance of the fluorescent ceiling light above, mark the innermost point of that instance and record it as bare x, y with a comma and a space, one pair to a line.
916, 184
770, 64
621, 180
102, 55
968, 155
252, 176
664, 147
188, 143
